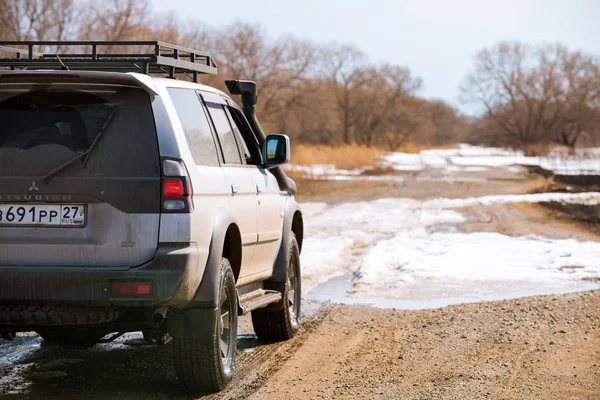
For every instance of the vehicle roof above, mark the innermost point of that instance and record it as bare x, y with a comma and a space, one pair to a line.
169, 82
147, 82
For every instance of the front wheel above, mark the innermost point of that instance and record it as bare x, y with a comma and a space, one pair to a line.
285, 322
207, 364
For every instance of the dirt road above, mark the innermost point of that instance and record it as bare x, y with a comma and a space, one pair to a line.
544, 347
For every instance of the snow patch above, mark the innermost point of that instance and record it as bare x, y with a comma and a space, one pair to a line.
449, 265
408, 249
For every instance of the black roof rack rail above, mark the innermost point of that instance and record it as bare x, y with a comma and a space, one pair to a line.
163, 58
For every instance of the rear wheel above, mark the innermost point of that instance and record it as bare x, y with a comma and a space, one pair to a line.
207, 364
285, 322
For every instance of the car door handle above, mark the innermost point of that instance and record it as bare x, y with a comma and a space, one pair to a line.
258, 189
234, 189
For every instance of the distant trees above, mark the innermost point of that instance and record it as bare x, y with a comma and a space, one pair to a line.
327, 94
536, 95
333, 94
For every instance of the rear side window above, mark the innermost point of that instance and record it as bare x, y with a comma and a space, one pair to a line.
225, 132
42, 128
195, 126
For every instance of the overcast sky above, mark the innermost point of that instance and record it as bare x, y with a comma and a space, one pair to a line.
435, 39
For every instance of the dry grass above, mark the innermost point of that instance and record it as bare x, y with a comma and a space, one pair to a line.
343, 157
351, 156
414, 148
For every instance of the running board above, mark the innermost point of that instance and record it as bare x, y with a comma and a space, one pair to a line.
257, 299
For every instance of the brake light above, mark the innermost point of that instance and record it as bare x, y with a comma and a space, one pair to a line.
176, 187
131, 289
173, 188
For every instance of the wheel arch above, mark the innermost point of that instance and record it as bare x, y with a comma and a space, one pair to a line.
293, 224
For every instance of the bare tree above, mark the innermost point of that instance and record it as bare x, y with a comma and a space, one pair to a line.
280, 67
114, 20
346, 68
535, 94
579, 102
383, 87
38, 19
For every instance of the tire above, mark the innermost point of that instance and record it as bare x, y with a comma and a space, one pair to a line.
207, 364
284, 323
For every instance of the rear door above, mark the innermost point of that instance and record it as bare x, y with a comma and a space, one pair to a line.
269, 201
242, 199
79, 175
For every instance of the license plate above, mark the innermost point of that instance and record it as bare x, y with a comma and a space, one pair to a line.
55, 215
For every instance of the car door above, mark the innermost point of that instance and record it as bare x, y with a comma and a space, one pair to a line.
269, 200
242, 199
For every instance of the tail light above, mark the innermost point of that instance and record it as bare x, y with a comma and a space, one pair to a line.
177, 195
131, 289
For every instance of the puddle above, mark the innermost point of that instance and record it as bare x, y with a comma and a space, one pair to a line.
336, 290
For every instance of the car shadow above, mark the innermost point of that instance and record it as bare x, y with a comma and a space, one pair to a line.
128, 368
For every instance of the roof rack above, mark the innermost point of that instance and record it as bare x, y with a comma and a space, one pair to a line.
162, 58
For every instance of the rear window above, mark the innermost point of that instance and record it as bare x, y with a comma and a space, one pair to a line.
43, 127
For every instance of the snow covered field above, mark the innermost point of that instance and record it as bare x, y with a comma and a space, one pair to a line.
410, 253
410, 249
583, 162
464, 158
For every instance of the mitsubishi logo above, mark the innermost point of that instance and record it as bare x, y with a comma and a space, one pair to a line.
33, 187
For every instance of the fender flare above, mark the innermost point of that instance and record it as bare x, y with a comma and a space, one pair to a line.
208, 291
280, 265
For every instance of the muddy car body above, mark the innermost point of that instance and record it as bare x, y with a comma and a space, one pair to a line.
130, 202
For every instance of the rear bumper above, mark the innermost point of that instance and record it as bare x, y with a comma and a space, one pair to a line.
175, 272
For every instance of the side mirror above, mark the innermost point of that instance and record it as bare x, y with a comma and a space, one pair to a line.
276, 150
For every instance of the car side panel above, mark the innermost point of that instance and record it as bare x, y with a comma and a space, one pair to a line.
208, 183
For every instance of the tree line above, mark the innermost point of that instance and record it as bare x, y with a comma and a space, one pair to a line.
536, 95
331, 93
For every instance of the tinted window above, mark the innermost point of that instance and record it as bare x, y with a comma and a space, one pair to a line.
44, 128
245, 146
195, 125
226, 135
249, 140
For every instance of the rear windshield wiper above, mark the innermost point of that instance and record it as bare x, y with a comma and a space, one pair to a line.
86, 154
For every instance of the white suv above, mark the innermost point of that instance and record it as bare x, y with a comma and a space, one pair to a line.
130, 202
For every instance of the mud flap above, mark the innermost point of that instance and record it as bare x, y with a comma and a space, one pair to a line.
197, 323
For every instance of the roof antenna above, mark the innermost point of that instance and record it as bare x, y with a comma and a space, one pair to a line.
61, 63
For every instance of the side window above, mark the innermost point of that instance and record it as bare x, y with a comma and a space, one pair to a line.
245, 136
195, 126
225, 133
240, 139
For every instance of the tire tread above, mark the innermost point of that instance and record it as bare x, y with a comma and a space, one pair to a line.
276, 325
